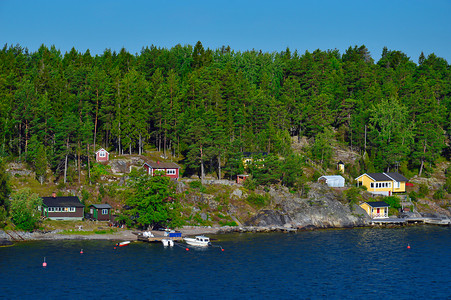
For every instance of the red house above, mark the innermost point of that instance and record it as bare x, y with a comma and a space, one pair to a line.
170, 169
102, 155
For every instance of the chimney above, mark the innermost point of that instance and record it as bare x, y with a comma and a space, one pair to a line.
54, 195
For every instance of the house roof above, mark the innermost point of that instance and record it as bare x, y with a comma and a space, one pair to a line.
378, 204
70, 201
101, 150
379, 176
339, 177
393, 176
396, 176
101, 206
162, 165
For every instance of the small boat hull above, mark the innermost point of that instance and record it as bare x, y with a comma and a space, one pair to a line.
198, 241
123, 244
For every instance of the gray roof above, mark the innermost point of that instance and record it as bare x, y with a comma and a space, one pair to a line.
379, 176
378, 204
101, 206
70, 201
396, 176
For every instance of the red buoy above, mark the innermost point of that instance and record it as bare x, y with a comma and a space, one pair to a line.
81, 252
44, 264
187, 249
222, 249
408, 246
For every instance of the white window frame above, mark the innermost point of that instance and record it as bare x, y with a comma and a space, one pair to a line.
72, 209
397, 185
171, 172
104, 211
102, 154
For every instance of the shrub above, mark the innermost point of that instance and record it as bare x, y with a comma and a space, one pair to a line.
393, 201
413, 196
24, 209
257, 199
423, 190
352, 195
439, 194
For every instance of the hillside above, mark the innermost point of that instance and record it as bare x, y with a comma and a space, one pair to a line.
224, 202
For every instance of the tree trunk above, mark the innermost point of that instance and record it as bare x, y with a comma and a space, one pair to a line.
201, 166
219, 166
65, 162
79, 162
95, 122
89, 163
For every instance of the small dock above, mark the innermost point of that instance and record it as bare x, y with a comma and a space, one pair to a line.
158, 236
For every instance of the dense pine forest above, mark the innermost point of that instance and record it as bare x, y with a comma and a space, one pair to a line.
207, 107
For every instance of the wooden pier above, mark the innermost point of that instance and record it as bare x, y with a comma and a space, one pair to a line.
411, 220
157, 237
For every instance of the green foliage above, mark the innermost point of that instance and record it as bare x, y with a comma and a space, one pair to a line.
153, 201
98, 170
209, 106
24, 209
257, 199
393, 201
439, 194
5, 188
423, 190
352, 195
250, 183
413, 196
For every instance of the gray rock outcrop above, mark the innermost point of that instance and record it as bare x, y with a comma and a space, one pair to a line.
320, 209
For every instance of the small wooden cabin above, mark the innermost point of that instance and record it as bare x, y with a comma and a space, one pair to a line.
62, 208
102, 155
100, 212
168, 169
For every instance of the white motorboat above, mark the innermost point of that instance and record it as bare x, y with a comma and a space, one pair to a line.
167, 242
200, 240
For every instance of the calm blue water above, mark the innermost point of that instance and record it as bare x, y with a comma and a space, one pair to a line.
331, 264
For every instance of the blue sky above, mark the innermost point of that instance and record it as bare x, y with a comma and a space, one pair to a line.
410, 26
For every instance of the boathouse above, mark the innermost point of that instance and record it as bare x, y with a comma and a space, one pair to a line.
376, 210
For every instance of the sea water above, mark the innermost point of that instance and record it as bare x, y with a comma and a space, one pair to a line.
362, 263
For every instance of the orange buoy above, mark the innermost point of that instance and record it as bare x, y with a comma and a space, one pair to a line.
222, 249
81, 252
187, 249
44, 264
408, 246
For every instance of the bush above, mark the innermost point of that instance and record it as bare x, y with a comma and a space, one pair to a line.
413, 196
24, 209
439, 194
423, 190
393, 201
257, 199
352, 195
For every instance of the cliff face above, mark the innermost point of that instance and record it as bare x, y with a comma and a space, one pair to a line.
320, 209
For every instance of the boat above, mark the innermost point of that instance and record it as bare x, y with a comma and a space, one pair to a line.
199, 240
167, 242
122, 244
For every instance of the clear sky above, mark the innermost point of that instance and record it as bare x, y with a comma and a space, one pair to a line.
410, 26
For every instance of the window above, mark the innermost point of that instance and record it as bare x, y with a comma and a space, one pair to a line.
170, 171
51, 209
372, 184
72, 209
105, 211
102, 154
397, 185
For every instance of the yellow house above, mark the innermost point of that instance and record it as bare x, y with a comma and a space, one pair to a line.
383, 183
376, 210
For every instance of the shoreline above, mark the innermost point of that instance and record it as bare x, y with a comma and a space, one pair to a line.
132, 235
